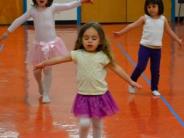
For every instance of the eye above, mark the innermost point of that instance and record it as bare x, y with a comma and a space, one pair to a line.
86, 37
94, 38
149, 7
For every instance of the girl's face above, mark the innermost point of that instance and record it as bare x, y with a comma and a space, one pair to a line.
41, 3
90, 40
153, 10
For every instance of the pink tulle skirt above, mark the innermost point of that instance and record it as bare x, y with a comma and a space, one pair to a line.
45, 50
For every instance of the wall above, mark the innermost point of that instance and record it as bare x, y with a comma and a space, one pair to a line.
105, 11
117, 11
9, 10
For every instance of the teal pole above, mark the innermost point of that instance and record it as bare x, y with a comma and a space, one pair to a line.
173, 10
78, 16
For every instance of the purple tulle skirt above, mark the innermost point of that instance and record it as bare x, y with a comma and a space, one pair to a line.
45, 50
94, 106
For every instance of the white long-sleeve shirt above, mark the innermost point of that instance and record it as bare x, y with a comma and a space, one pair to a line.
43, 19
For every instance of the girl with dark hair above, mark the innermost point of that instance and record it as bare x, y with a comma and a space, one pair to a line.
46, 44
154, 25
92, 56
47, 3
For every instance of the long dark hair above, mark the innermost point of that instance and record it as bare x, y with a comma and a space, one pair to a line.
48, 4
158, 2
104, 44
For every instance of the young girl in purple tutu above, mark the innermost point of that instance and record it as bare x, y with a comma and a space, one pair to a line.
47, 44
92, 56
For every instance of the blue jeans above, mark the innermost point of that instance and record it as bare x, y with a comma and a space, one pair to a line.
144, 55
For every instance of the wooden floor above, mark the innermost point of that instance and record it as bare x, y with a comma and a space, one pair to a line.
141, 115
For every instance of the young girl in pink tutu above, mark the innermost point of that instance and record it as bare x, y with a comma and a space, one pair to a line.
47, 44
92, 56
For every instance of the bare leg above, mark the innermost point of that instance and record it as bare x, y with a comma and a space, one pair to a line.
97, 127
84, 127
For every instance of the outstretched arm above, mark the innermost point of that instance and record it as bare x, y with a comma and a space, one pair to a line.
4, 36
66, 6
16, 23
172, 34
133, 25
53, 61
121, 72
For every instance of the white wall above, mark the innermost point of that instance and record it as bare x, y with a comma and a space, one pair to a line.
65, 15
177, 9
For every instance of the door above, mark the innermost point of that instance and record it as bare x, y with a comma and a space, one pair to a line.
9, 10
104, 11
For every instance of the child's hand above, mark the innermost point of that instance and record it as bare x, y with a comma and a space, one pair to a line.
87, 1
4, 36
116, 33
135, 84
39, 66
182, 43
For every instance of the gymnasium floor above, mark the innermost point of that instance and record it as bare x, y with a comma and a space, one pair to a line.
141, 115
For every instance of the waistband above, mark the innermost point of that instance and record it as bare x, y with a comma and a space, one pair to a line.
46, 46
42, 43
152, 47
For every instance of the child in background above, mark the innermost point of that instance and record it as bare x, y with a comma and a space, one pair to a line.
92, 56
154, 25
46, 44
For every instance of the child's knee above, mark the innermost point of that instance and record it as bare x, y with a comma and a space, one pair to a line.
85, 122
47, 71
37, 72
97, 123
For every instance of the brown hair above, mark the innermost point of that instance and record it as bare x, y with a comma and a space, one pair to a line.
104, 44
48, 4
